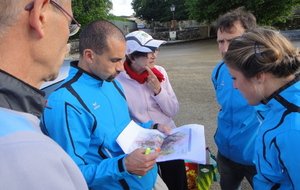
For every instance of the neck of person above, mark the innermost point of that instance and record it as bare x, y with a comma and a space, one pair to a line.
137, 70
273, 83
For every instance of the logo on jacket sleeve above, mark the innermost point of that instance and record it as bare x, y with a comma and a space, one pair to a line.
96, 105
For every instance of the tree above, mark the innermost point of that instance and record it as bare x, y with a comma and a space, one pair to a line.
86, 11
267, 12
159, 10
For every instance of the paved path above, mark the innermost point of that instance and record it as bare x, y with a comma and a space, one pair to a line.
189, 66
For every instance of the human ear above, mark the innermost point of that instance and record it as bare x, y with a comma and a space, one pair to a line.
37, 17
88, 55
260, 78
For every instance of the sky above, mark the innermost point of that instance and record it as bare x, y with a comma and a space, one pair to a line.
122, 8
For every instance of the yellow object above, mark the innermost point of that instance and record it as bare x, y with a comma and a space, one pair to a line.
147, 151
199, 176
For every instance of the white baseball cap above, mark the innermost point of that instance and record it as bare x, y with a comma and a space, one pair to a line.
142, 42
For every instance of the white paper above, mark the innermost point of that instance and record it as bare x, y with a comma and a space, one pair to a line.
186, 142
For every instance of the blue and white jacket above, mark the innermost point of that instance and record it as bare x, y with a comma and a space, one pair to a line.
238, 122
277, 149
29, 159
85, 117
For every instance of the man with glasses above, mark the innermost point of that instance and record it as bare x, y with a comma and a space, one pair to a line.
33, 43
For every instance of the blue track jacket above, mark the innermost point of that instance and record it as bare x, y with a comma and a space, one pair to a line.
277, 148
29, 159
85, 117
238, 122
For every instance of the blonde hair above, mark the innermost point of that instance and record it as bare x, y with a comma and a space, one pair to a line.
262, 51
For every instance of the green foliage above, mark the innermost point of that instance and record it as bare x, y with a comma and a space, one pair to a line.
86, 11
267, 12
159, 10
113, 17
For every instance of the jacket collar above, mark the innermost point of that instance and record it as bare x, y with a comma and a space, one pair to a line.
287, 85
74, 64
20, 96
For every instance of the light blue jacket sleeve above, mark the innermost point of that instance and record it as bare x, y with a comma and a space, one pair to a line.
76, 141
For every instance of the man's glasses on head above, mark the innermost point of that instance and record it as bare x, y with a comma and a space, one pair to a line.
74, 28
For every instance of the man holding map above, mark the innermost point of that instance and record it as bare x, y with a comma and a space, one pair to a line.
90, 112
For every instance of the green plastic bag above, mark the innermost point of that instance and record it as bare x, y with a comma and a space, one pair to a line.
199, 176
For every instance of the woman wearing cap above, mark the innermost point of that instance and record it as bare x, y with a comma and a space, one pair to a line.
265, 68
150, 96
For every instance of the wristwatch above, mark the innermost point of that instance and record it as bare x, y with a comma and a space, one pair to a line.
155, 126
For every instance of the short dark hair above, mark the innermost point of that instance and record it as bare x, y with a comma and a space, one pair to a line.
226, 21
135, 55
94, 36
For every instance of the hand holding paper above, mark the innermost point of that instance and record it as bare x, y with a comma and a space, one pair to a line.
186, 142
138, 164
147, 151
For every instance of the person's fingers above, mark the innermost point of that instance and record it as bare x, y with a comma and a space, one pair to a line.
150, 72
138, 163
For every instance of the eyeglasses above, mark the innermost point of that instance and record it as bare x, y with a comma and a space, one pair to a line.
74, 28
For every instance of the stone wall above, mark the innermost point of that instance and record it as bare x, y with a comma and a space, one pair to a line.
73, 47
185, 30
179, 23
182, 34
